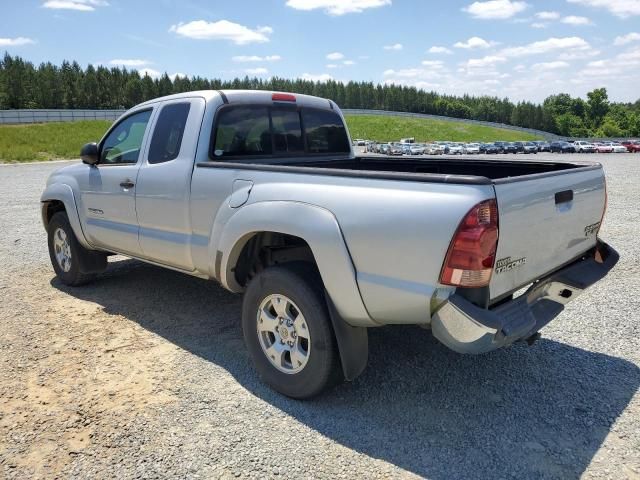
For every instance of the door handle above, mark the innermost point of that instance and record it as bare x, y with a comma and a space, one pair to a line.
127, 184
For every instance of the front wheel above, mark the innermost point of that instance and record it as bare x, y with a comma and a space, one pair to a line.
74, 265
288, 332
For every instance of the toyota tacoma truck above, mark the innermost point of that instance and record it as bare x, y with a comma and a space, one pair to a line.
261, 191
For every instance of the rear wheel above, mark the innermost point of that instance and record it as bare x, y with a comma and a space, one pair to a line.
288, 332
74, 265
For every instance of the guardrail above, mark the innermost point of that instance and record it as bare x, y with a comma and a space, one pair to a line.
70, 115
51, 115
546, 135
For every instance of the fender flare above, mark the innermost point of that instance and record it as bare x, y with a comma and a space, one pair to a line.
64, 193
315, 225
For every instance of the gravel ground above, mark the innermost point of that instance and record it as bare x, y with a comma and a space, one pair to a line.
144, 374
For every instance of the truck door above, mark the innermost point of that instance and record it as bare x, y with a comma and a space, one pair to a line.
164, 183
107, 190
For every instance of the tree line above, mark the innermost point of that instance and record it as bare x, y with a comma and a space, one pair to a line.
24, 85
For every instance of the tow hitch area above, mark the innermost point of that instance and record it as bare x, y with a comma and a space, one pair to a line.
467, 328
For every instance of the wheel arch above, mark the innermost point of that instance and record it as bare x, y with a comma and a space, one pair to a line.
59, 197
313, 227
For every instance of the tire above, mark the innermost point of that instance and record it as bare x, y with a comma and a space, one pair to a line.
313, 369
74, 265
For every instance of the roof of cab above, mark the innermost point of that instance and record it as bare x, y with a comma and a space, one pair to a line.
246, 97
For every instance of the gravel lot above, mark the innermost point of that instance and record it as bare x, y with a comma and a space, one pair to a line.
144, 374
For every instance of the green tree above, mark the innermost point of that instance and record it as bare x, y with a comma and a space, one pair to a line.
597, 106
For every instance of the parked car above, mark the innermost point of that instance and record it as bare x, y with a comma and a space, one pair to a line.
510, 147
500, 146
618, 147
489, 148
603, 147
544, 146
529, 147
195, 182
417, 149
519, 147
562, 147
582, 146
395, 149
455, 149
632, 146
434, 149
471, 148
384, 148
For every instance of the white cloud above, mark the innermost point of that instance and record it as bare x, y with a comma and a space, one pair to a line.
495, 9
488, 61
546, 66
621, 40
79, 5
129, 62
620, 8
149, 71
437, 49
576, 20
331, 65
255, 58
16, 42
349, 62
567, 44
539, 25
395, 46
323, 77
222, 30
474, 42
256, 71
337, 7
335, 56
547, 15
433, 63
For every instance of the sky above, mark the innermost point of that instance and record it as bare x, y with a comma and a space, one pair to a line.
524, 50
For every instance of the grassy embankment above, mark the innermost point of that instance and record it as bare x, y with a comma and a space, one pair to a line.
51, 141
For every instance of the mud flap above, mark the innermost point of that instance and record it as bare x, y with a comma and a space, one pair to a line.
353, 343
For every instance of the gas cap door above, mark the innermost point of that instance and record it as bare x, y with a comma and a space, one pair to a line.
240, 193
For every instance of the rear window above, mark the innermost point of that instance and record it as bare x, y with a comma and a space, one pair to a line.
287, 131
325, 132
242, 131
246, 131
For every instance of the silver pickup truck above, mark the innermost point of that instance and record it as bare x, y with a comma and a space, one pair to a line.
262, 192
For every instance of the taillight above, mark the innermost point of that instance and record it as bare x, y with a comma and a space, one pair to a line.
283, 97
472, 252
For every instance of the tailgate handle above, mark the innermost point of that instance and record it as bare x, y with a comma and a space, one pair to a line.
564, 197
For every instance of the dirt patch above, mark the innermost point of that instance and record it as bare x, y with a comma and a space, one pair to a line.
84, 370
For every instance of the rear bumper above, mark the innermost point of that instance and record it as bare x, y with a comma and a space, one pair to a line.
467, 328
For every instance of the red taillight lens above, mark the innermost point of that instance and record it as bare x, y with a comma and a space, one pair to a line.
283, 97
472, 252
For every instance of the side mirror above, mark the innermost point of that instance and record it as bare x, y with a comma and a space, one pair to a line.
89, 154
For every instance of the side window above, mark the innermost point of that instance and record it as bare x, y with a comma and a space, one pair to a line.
287, 132
167, 135
325, 132
122, 145
242, 131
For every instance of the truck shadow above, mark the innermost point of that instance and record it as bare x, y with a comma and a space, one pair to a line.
540, 411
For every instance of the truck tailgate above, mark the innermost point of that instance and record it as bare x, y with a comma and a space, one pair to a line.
545, 222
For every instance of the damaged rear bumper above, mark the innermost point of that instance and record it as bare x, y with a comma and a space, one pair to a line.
467, 328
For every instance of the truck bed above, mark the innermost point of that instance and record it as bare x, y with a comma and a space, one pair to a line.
448, 165
443, 169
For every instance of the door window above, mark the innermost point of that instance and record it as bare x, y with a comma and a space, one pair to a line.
167, 134
123, 144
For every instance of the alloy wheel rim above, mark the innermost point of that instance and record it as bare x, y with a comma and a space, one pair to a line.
283, 333
62, 249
